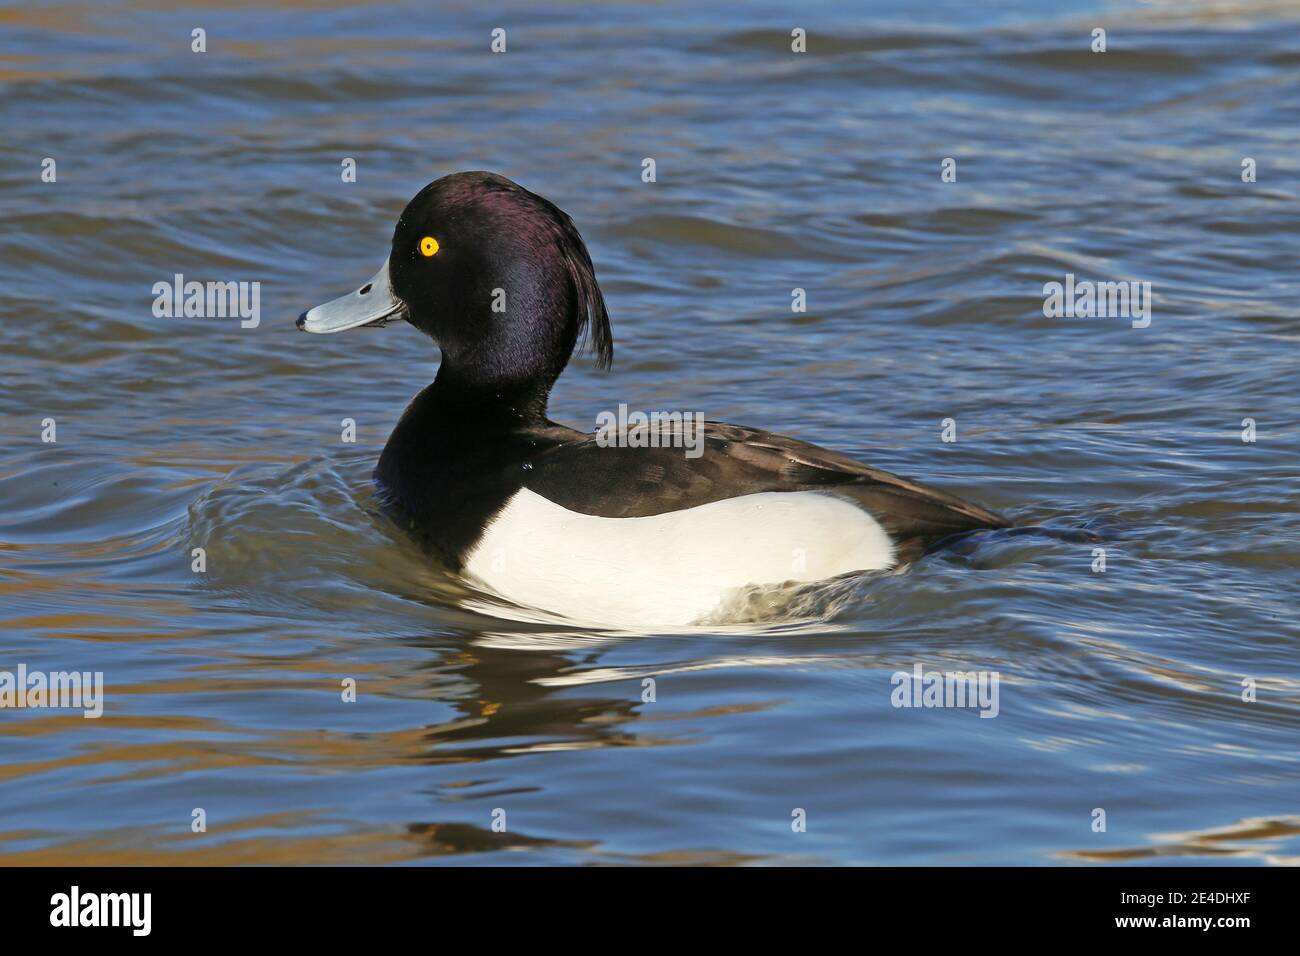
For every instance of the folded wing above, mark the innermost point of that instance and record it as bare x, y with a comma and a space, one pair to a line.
626, 482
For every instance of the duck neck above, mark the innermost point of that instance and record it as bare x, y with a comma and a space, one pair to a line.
457, 397
456, 450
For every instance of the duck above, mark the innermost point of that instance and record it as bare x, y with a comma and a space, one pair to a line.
555, 520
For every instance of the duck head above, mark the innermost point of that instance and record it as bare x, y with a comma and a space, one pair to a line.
498, 276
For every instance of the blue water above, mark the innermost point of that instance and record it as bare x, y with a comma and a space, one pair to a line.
1120, 690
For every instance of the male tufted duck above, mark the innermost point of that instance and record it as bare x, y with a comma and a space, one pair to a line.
548, 517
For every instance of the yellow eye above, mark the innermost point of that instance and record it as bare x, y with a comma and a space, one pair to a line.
428, 246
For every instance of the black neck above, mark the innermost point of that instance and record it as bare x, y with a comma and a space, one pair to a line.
467, 399
455, 456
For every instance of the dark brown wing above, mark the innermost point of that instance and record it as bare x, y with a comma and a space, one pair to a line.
628, 482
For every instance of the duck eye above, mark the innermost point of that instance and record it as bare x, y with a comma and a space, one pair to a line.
428, 246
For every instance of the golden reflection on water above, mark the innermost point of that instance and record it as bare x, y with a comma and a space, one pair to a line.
153, 847
1269, 840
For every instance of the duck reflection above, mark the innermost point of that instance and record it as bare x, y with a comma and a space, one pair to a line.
506, 689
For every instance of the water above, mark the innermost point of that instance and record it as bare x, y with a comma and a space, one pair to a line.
1119, 690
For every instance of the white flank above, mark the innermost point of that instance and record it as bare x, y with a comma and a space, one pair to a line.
670, 569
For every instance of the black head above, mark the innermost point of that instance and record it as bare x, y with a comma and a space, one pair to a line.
498, 276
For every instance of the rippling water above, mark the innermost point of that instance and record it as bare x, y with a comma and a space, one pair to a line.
1120, 690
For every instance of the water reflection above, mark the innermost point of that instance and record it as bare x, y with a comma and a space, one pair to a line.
1260, 839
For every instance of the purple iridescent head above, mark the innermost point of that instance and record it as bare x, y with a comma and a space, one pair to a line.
498, 276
